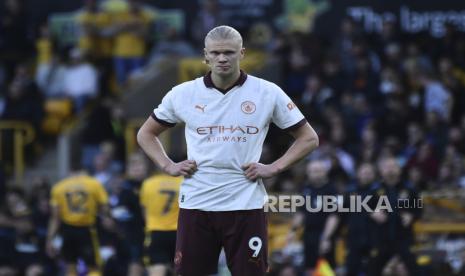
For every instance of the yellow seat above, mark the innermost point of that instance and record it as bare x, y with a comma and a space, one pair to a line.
59, 107
57, 113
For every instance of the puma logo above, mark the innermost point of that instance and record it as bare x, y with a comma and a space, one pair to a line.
200, 107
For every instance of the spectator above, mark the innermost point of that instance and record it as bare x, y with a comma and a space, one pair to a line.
394, 234
24, 101
360, 238
126, 212
7, 239
316, 94
296, 63
130, 29
27, 256
105, 166
15, 44
450, 77
437, 97
137, 171
318, 226
208, 17
50, 70
334, 76
173, 46
95, 40
92, 38
80, 80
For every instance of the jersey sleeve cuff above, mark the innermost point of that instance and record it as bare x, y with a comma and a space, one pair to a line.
162, 122
297, 125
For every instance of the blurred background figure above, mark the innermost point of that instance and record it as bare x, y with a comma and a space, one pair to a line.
360, 231
318, 225
76, 202
159, 200
393, 230
208, 17
130, 30
80, 80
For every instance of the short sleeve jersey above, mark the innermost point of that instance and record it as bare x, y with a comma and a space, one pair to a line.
223, 132
78, 199
159, 196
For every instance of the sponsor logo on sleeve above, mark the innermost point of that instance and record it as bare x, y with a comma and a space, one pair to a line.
291, 105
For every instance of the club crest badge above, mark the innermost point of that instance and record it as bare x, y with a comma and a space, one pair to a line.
248, 107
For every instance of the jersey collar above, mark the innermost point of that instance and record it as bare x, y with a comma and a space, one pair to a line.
207, 80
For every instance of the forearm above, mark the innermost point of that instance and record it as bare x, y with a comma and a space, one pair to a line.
154, 149
53, 225
297, 221
301, 147
330, 226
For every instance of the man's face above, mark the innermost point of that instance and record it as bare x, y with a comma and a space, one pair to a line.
366, 174
317, 173
223, 56
390, 170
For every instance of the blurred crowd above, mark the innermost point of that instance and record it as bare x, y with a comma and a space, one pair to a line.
370, 97
373, 97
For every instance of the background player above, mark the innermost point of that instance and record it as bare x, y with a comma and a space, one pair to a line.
158, 198
75, 203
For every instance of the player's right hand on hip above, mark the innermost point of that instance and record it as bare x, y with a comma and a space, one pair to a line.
185, 168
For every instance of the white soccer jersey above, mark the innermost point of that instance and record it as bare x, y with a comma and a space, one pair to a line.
223, 132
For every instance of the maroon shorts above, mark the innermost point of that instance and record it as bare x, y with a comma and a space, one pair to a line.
202, 234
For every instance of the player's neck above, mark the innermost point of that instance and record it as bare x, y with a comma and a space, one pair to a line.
225, 82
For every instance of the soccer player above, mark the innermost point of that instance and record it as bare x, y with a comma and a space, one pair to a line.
227, 115
76, 202
158, 198
394, 230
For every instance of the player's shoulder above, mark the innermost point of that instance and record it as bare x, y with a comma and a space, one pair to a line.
266, 85
83, 179
159, 179
184, 87
152, 179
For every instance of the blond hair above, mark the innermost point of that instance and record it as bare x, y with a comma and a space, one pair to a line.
223, 33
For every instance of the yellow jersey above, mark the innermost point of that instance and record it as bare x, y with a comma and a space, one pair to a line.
44, 50
95, 44
127, 44
159, 197
78, 199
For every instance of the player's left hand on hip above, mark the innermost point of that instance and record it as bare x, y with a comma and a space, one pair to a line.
253, 171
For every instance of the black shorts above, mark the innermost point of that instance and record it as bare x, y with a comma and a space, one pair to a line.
133, 246
161, 246
80, 243
311, 250
7, 249
201, 235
